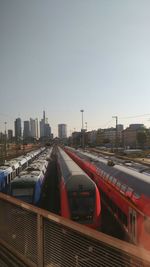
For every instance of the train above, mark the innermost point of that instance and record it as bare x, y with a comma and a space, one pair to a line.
10, 169
125, 192
27, 186
79, 195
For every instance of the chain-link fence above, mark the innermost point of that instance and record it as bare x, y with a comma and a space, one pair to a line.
40, 238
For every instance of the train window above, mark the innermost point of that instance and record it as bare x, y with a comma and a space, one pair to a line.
9, 178
129, 190
114, 180
120, 214
110, 178
13, 167
104, 174
147, 225
123, 187
124, 219
22, 191
25, 194
106, 177
136, 195
118, 184
82, 207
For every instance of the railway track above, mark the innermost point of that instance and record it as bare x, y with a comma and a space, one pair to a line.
13, 153
140, 160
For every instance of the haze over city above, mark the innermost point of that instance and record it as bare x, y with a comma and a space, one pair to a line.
63, 56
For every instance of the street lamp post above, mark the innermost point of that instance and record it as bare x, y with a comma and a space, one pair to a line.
116, 117
5, 141
82, 118
82, 130
86, 126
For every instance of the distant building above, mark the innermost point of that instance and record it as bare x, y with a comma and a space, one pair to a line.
136, 126
62, 131
18, 133
119, 134
2, 136
76, 139
90, 137
34, 128
45, 129
42, 125
10, 135
106, 136
119, 127
26, 131
129, 135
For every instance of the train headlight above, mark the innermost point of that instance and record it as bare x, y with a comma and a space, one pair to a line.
147, 225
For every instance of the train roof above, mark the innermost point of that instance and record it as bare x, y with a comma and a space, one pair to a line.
73, 175
12, 163
139, 182
5, 170
80, 182
24, 180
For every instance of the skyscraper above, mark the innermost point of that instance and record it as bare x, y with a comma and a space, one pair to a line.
34, 128
45, 129
62, 131
17, 129
26, 131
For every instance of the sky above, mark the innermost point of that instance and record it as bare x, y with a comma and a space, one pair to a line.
62, 56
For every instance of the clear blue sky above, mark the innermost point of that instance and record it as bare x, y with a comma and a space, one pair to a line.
67, 55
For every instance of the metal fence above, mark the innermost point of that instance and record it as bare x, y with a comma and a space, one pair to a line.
42, 239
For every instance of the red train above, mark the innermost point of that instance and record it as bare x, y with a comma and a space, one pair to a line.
125, 192
79, 195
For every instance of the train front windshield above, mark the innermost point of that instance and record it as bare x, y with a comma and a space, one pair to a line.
82, 206
25, 194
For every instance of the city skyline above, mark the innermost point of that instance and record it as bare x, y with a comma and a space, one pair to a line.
44, 122
4, 125
65, 56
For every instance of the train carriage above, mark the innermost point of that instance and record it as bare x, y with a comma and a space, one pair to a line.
80, 198
5, 177
28, 185
11, 168
125, 192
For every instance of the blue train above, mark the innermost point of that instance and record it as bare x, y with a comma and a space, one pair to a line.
10, 169
27, 185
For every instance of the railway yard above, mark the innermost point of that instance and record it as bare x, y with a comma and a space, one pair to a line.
112, 220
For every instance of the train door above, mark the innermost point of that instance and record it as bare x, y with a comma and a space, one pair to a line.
133, 225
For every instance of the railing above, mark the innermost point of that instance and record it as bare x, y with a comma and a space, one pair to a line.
42, 239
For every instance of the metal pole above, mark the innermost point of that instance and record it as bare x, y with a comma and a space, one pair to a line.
82, 130
5, 140
82, 117
116, 117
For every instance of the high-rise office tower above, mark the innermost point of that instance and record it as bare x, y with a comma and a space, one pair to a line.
26, 131
62, 131
45, 129
17, 128
34, 128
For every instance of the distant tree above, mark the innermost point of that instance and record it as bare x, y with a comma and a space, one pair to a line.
141, 138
